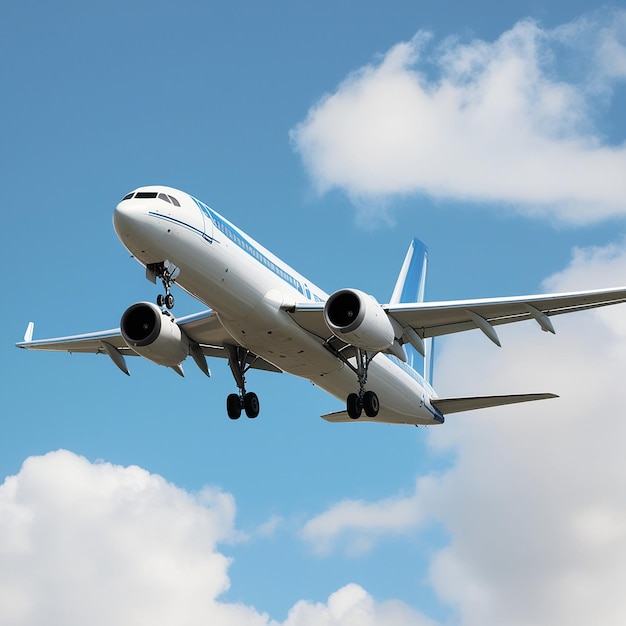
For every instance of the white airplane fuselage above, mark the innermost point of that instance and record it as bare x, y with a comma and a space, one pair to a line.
249, 289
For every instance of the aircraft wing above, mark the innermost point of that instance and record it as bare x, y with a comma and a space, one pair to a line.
203, 328
433, 319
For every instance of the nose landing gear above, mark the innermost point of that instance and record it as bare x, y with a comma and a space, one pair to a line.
166, 300
167, 272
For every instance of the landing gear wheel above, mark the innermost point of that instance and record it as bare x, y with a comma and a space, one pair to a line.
354, 406
160, 300
169, 301
251, 405
371, 405
233, 406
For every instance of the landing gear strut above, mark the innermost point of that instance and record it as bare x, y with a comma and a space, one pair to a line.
167, 272
246, 400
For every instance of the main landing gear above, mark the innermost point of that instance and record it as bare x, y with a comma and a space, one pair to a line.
363, 400
246, 400
356, 404
167, 272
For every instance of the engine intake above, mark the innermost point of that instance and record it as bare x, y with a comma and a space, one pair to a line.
358, 319
154, 334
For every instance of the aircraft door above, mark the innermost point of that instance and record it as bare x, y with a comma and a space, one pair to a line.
207, 220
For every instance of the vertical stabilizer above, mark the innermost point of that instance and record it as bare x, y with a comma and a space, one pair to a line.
412, 278
410, 287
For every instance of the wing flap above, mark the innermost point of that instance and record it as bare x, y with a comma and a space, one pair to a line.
471, 403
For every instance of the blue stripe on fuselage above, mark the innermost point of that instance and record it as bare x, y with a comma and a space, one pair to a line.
244, 244
173, 220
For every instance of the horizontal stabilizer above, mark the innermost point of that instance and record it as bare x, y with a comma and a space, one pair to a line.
456, 405
341, 417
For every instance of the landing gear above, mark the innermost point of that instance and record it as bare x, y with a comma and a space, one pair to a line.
246, 400
166, 300
168, 273
366, 401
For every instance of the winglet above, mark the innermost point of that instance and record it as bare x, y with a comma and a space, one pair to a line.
28, 335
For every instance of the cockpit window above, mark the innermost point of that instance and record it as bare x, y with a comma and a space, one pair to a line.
151, 194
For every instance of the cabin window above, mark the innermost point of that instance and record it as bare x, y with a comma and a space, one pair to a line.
162, 196
128, 196
174, 201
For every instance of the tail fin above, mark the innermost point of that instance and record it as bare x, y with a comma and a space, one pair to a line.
411, 281
410, 287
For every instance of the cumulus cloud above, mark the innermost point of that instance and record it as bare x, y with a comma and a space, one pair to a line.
84, 543
505, 122
102, 544
533, 503
350, 606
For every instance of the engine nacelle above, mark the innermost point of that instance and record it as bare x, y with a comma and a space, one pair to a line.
154, 334
359, 320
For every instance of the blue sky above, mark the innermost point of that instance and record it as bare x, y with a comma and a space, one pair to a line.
332, 133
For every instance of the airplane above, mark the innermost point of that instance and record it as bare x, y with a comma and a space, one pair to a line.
264, 315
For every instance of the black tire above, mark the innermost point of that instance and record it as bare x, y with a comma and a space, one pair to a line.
160, 300
371, 405
169, 301
251, 405
233, 406
353, 406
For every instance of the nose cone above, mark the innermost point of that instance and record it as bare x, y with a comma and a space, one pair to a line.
125, 219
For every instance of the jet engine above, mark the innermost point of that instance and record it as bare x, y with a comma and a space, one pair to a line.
154, 334
358, 319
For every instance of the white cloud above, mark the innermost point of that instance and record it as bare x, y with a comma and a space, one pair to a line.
358, 524
508, 122
534, 503
84, 543
102, 544
352, 606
